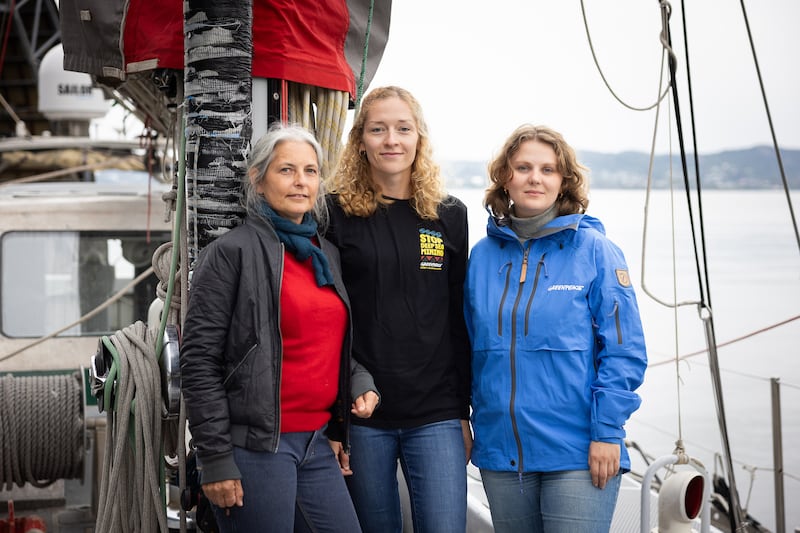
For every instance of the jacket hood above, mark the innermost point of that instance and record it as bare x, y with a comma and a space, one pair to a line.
500, 228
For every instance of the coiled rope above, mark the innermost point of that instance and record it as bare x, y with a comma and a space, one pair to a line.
41, 429
328, 123
168, 284
130, 498
135, 450
166, 269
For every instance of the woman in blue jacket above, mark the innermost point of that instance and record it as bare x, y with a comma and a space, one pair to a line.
557, 342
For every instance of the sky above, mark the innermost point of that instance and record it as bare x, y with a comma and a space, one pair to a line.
479, 69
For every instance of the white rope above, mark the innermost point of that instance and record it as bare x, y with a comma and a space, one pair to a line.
632, 107
323, 111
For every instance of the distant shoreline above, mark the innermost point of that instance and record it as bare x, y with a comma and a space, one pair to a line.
751, 168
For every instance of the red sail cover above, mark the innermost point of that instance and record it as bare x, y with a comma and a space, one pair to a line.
302, 42
154, 34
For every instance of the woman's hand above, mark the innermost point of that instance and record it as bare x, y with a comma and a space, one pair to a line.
341, 456
603, 462
225, 494
365, 404
467, 434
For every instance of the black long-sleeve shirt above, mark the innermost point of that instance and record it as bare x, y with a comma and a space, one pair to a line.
405, 276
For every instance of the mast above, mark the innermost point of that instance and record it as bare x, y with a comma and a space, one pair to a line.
217, 96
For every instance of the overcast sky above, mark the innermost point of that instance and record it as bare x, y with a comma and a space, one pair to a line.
482, 68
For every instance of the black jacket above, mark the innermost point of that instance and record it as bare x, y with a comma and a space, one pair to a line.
231, 350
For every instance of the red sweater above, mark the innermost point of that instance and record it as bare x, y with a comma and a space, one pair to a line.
313, 322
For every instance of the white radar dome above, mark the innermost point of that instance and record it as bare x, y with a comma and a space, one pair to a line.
67, 95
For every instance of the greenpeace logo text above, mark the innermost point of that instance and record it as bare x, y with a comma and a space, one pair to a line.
565, 288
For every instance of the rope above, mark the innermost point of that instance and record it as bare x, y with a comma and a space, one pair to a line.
130, 499
661, 96
327, 124
119, 294
110, 162
41, 429
165, 266
360, 88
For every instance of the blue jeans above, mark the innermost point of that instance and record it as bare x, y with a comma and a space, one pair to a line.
434, 464
298, 489
555, 502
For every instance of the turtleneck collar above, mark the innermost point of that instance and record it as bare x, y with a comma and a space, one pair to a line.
527, 228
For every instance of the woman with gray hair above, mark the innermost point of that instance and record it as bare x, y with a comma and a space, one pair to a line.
265, 361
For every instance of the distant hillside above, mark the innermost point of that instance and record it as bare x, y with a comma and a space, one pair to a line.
753, 168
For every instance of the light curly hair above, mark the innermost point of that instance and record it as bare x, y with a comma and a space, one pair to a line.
574, 195
352, 180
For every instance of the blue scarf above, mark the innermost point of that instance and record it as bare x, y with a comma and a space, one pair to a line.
297, 239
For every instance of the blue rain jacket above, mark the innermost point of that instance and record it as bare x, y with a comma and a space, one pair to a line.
557, 346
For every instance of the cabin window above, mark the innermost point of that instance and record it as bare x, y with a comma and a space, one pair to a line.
50, 279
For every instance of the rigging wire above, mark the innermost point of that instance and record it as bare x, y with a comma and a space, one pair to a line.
732, 341
660, 429
697, 232
646, 290
771, 127
704, 307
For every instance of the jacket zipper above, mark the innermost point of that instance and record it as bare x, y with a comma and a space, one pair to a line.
345, 379
513, 355
617, 322
236, 368
503, 300
539, 267
279, 359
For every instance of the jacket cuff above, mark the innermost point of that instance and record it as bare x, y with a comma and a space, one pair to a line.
606, 433
335, 431
361, 381
218, 468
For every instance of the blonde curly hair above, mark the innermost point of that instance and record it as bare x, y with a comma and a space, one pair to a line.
574, 195
352, 180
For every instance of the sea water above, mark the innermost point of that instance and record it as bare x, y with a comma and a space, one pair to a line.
753, 278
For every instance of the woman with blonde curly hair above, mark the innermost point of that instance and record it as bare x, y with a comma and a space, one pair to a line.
404, 243
557, 345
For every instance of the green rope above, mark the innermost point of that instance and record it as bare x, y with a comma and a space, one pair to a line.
360, 89
108, 388
176, 235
